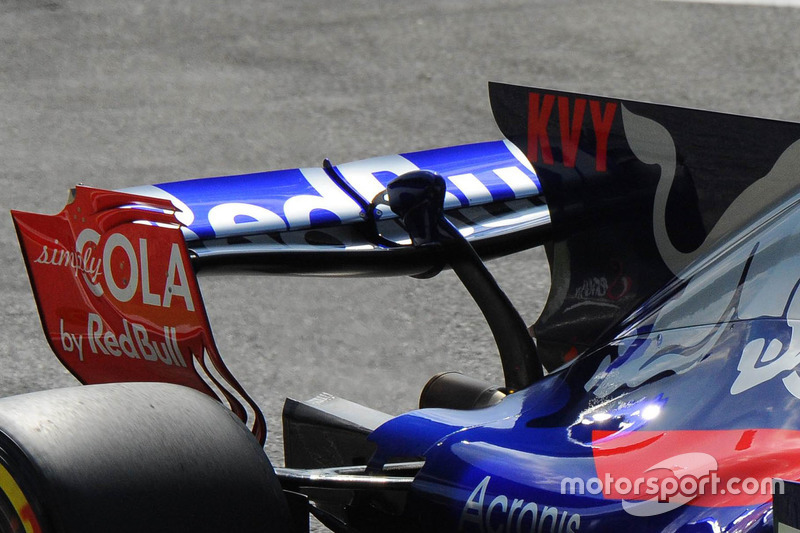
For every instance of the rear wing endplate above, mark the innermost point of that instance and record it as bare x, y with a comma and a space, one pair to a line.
118, 298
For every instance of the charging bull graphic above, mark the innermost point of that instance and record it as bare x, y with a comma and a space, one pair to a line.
636, 191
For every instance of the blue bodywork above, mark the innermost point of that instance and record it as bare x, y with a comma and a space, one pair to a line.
707, 366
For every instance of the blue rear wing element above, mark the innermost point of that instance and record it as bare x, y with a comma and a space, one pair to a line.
335, 219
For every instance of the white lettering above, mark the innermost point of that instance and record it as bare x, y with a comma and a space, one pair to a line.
574, 523
165, 354
517, 180
176, 271
361, 174
533, 510
126, 342
515, 506
502, 502
123, 287
298, 208
111, 344
145, 348
95, 330
473, 510
552, 514
499, 517
475, 191
90, 266
223, 219
70, 342
79, 261
136, 342
123, 292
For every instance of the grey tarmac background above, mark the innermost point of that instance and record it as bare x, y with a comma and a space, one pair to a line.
122, 93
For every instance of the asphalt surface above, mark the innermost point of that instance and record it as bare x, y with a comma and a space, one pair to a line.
115, 94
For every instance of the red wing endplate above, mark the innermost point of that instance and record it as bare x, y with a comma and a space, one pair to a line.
119, 300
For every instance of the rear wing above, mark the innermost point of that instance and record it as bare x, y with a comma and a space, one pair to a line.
334, 219
113, 274
635, 192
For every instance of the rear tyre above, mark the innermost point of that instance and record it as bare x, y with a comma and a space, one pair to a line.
131, 458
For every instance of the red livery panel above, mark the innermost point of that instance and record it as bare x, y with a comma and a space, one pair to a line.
714, 468
123, 303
